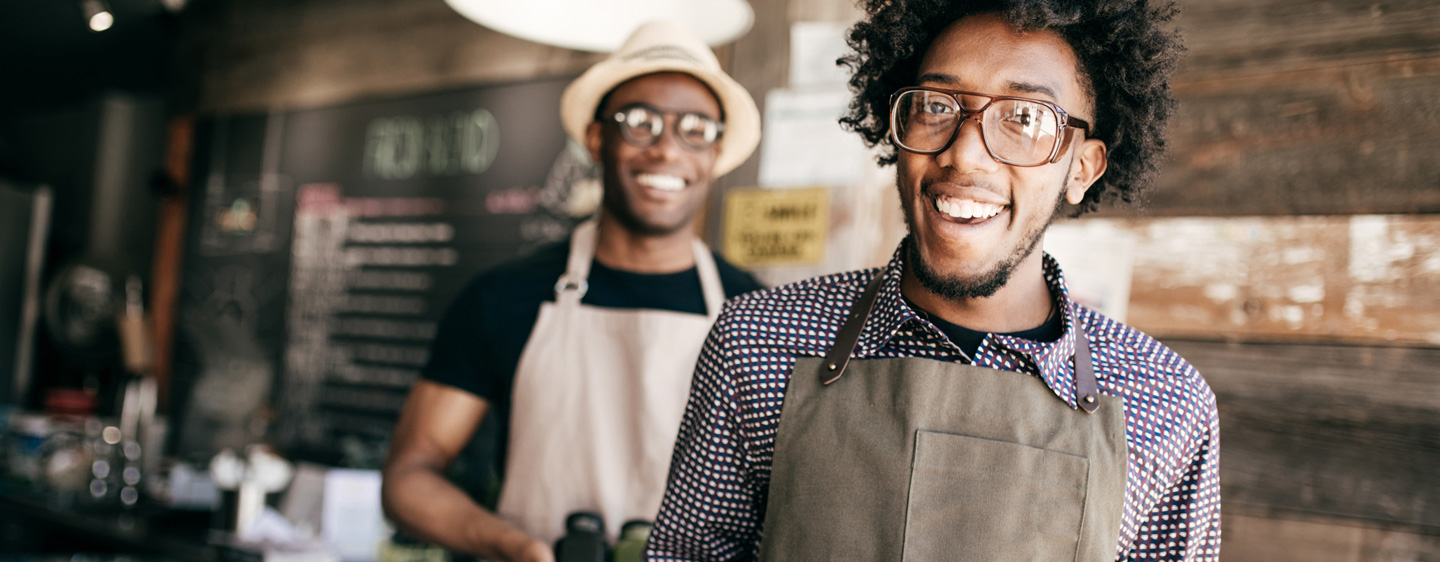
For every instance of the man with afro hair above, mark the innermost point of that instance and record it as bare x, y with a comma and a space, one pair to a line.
958, 404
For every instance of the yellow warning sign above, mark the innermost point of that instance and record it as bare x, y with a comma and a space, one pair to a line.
776, 226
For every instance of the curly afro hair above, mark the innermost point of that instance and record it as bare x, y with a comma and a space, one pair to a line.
1126, 55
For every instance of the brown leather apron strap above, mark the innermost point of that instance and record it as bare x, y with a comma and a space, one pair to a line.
1087, 390
849, 335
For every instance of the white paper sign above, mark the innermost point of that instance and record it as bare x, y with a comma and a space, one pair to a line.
814, 48
804, 144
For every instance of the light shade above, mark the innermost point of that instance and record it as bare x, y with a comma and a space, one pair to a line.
602, 25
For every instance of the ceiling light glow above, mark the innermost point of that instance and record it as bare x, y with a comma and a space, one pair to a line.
101, 21
603, 25
97, 14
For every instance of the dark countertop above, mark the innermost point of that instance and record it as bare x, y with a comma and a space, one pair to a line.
48, 524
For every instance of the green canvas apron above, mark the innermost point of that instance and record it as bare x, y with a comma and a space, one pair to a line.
918, 459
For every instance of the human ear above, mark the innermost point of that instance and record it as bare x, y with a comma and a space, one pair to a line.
1085, 169
593, 135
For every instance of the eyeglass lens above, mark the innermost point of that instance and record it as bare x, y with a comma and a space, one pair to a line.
1016, 132
642, 126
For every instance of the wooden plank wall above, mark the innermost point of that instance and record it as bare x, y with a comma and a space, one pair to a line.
1350, 429
1329, 388
1318, 336
1328, 452
1372, 279
1298, 107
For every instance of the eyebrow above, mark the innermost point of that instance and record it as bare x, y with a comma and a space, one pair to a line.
1014, 86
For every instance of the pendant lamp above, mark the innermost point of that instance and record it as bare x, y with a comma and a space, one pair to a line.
602, 25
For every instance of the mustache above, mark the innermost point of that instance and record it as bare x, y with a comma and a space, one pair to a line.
953, 177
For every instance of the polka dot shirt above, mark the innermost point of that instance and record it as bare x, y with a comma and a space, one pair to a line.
719, 481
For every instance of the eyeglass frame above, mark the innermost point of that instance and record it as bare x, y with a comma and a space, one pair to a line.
1064, 123
618, 118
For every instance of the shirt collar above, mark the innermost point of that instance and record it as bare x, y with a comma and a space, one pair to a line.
1053, 360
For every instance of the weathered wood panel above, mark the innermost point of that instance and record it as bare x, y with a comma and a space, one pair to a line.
1359, 139
1297, 107
1368, 278
1341, 431
1287, 538
1229, 37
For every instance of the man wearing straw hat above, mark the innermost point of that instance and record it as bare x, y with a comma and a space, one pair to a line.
585, 349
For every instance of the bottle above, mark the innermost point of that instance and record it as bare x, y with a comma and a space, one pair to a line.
584, 539
633, 536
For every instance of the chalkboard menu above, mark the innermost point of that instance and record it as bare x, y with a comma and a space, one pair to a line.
326, 243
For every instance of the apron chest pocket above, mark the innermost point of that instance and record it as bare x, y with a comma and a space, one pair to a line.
992, 501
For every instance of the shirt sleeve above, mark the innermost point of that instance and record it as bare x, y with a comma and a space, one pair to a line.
458, 354
712, 504
1185, 524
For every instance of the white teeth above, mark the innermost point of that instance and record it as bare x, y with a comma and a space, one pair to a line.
662, 182
966, 209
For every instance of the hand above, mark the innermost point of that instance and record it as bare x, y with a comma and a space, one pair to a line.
529, 550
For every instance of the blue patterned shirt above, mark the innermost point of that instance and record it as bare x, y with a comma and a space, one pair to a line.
719, 483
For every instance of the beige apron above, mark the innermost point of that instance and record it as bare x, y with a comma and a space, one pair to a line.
917, 459
597, 402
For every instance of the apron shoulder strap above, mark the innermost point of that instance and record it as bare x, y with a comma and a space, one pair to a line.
574, 282
709, 278
849, 335
1087, 391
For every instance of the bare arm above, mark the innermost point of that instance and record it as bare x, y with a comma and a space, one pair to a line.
434, 426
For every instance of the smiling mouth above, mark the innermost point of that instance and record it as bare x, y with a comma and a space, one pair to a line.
661, 182
966, 211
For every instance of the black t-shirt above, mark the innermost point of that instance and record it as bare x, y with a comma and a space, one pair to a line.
969, 340
482, 334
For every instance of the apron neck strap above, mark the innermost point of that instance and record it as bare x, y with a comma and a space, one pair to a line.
709, 278
849, 335
572, 286
1087, 391
838, 357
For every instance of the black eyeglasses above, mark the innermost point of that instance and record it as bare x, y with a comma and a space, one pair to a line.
642, 125
1016, 131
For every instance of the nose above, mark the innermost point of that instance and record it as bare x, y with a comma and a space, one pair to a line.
667, 147
967, 153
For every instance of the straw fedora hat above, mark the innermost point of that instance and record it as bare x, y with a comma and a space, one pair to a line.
666, 46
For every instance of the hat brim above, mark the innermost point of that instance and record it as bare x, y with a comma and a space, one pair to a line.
742, 117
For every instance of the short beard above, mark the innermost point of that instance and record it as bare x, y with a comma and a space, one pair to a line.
619, 210
614, 203
988, 283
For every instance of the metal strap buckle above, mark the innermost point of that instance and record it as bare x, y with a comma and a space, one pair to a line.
563, 285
